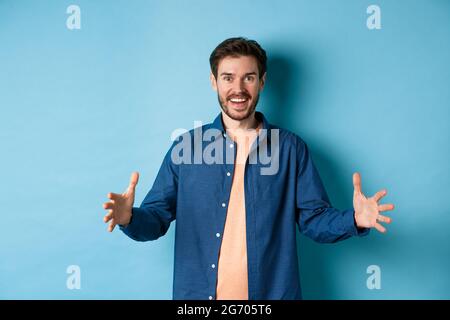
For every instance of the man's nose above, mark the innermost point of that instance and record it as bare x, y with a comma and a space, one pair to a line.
238, 86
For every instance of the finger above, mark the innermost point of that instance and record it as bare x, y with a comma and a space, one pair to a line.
380, 194
380, 228
108, 205
114, 196
385, 207
108, 217
385, 219
134, 179
111, 225
357, 182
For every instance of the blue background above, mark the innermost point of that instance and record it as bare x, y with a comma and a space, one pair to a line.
82, 109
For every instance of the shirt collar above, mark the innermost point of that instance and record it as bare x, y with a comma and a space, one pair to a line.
218, 124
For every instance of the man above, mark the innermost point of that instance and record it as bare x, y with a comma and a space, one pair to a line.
236, 223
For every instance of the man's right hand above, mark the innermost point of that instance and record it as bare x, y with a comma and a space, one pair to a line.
120, 206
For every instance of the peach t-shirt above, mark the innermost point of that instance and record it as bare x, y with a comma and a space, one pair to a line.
232, 278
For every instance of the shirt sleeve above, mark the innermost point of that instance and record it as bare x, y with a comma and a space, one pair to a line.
316, 217
158, 209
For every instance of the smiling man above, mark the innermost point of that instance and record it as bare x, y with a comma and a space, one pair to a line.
236, 227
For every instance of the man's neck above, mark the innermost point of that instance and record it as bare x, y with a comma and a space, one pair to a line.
231, 124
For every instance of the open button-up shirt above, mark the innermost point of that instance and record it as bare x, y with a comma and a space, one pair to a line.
196, 191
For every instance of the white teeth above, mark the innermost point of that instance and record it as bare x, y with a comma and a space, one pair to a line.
238, 100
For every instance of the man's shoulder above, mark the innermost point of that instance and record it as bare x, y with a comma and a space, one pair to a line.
289, 138
206, 131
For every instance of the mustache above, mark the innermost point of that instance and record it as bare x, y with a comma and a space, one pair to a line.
242, 95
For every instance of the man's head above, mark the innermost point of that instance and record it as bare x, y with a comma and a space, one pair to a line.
238, 74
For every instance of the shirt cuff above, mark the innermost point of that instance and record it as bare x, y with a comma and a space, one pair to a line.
135, 212
353, 229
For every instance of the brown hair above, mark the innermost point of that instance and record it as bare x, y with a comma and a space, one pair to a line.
235, 47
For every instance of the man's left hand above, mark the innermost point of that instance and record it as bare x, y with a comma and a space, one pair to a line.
367, 210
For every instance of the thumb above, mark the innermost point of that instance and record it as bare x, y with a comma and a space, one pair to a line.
357, 182
133, 182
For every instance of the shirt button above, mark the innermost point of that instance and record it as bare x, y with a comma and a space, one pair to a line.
228, 174
213, 266
218, 235
210, 297
231, 145
223, 204
224, 135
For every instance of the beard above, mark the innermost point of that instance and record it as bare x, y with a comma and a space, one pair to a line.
238, 115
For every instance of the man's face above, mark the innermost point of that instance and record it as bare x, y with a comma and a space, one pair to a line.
238, 86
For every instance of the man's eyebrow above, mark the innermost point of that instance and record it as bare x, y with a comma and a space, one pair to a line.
230, 74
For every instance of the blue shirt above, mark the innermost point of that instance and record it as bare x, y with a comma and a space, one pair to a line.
197, 195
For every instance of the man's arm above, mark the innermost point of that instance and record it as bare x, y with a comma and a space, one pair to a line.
316, 217
152, 219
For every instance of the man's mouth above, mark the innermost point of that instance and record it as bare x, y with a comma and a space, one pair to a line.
238, 102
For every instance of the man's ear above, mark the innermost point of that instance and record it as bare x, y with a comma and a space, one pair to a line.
213, 81
262, 81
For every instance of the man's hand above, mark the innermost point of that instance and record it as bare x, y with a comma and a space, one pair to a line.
121, 205
367, 210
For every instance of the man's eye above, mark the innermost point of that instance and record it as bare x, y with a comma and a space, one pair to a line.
249, 78
227, 78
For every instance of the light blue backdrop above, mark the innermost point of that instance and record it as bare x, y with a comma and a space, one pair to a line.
81, 109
